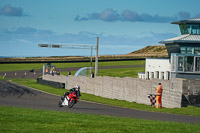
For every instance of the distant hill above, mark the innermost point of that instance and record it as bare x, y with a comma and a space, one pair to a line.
150, 51
147, 52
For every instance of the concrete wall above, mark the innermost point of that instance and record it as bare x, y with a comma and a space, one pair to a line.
55, 78
129, 89
191, 91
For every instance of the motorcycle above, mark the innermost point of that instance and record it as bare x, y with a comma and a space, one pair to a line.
69, 99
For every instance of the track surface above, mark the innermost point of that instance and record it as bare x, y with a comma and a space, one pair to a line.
16, 95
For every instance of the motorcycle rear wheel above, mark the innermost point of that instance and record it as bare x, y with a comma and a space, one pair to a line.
60, 103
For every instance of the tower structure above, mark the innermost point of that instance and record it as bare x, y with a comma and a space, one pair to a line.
183, 51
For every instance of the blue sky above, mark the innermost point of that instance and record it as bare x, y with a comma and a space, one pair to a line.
123, 26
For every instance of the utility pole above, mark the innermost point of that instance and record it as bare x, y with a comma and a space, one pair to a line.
96, 61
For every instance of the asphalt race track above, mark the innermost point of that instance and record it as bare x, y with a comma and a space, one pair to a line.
16, 95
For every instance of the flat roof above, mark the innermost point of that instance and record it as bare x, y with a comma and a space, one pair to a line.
188, 21
187, 38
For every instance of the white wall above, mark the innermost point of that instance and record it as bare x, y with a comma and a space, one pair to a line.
156, 64
158, 68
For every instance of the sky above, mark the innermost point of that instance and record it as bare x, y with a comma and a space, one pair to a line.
122, 26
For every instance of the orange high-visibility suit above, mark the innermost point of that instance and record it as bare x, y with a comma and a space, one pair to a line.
159, 91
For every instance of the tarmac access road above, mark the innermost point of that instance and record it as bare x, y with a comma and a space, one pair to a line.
16, 95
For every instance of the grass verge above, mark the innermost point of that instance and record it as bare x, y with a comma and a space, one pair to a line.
190, 110
15, 119
116, 72
24, 66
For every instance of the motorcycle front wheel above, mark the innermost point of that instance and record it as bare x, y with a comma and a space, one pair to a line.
71, 103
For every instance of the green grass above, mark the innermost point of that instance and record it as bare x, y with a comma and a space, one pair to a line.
17, 67
121, 72
15, 119
190, 110
116, 72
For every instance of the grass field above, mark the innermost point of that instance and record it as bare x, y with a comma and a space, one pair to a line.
17, 67
15, 119
117, 72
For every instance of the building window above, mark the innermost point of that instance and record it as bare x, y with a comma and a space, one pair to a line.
190, 50
197, 50
185, 63
193, 29
197, 64
183, 29
189, 63
180, 63
183, 50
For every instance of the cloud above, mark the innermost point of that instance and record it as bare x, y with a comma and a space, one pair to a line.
197, 15
110, 15
28, 35
23, 41
152, 39
184, 15
32, 35
128, 15
11, 11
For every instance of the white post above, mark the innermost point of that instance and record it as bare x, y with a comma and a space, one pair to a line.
161, 74
44, 70
146, 75
150, 75
166, 75
156, 74
91, 62
96, 61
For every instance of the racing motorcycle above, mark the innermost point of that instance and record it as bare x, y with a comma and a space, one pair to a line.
69, 99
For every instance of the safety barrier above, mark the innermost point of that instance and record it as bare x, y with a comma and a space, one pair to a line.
51, 83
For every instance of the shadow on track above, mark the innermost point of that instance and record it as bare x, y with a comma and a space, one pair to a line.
9, 89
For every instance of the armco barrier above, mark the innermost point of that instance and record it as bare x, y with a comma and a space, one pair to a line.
175, 91
55, 78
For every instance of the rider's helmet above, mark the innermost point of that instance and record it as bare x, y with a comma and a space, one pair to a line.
77, 87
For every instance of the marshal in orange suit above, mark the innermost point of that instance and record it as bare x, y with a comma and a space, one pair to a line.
159, 91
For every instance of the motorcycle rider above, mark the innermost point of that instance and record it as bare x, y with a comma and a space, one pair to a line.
76, 89
78, 92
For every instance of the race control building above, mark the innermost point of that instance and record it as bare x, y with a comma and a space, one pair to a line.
184, 54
